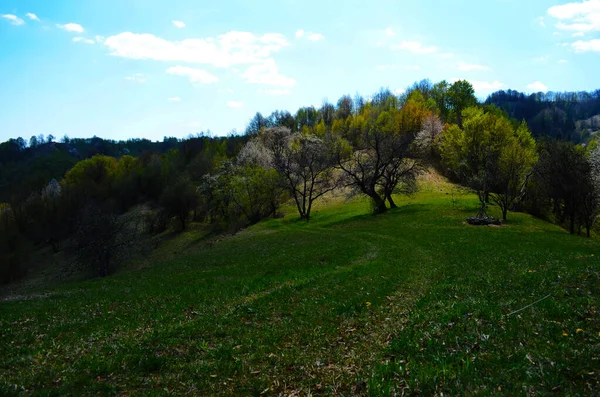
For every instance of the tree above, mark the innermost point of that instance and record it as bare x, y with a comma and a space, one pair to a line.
179, 199
567, 178
13, 247
461, 96
303, 161
513, 169
472, 153
377, 164
440, 95
97, 239
257, 123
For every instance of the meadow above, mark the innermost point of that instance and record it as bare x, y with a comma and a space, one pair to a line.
410, 302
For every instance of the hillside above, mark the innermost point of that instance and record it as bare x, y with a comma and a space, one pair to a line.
412, 301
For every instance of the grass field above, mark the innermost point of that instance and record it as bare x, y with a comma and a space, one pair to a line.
410, 302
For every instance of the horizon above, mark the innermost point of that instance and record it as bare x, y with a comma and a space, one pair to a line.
177, 69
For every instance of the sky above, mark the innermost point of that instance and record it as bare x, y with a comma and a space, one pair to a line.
124, 69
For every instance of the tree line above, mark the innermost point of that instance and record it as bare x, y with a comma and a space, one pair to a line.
374, 148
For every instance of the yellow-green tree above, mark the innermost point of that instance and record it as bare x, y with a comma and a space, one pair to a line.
489, 155
513, 169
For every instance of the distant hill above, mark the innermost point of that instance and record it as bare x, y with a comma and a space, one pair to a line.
569, 116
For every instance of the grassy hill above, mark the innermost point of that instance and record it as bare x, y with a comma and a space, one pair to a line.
414, 301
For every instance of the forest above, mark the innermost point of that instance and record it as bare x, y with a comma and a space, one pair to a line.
96, 199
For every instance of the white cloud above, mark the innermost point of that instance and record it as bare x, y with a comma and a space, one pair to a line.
469, 67
174, 99
585, 46
179, 24
542, 58
399, 91
228, 90
578, 34
315, 37
137, 77
414, 47
309, 35
267, 73
83, 40
390, 32
71, 27
32, 16
563, 61
234, 104
195, 75
14, 20
380, 43
537, 87
413, 67
229, 49
277, 92
446, 56
386, 67
99, 39
580, 17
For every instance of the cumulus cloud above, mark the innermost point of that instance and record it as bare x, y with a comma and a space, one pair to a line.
389, 32
413, 67
563, 61
234, 104
174, 99
315, 37
586, 46
32, 16
179, 24
137, 78
399, 91
415, 47
71, 27
83, 40
229, 49
14, 20
446, 56
309, 35
537, 87
469, 67
267, 73
195, 75
276, 92
577, 16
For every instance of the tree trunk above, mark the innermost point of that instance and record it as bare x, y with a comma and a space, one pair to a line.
572, 224
391, 201
380, 207
504, 211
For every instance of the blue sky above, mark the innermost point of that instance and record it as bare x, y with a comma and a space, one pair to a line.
152, 68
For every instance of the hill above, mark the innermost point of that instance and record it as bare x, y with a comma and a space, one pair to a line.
412, 301
569, 116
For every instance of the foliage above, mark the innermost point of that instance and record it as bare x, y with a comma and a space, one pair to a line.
303, 161
566, 178
179, 199
489, 156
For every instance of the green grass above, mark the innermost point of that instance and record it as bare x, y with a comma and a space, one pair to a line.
413, 301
